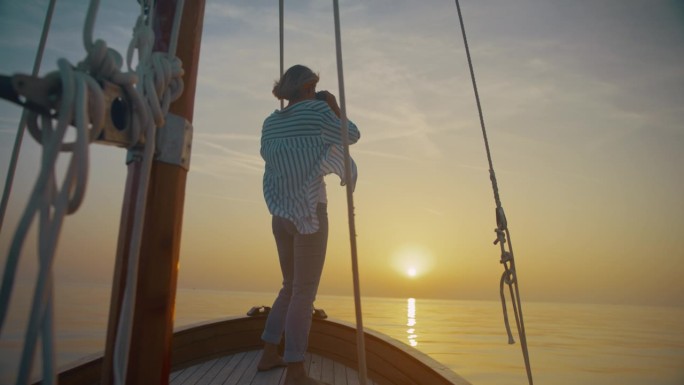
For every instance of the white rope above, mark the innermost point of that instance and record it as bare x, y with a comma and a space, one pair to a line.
79, 91
360, 341
81, 103
143, 40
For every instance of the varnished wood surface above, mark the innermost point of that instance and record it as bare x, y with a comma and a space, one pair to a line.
240, 369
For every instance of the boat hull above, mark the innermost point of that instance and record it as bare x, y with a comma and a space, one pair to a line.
389, 362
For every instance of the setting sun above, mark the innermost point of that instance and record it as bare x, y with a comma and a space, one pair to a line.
412, 261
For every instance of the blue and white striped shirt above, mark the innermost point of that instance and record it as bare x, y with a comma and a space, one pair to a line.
301, 144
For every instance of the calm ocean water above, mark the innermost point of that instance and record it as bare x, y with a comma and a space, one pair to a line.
569, 343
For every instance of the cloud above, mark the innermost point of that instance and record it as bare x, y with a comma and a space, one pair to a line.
227, 136
257, 200
220, 161
382, 154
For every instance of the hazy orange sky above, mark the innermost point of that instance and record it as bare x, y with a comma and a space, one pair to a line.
583, 105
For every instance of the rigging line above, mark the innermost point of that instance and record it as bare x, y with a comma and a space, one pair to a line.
361, 349
503, 234
22, 123
142, 42
282, 44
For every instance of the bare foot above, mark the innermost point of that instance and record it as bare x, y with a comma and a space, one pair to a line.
270, 359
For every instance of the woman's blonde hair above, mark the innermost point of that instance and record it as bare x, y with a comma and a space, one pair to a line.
291, 84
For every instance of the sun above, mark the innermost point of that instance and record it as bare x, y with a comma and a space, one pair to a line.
412, 261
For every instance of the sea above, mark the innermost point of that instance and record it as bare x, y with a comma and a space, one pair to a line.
569, 344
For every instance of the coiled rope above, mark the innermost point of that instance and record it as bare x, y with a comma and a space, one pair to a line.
82, 102
503, 237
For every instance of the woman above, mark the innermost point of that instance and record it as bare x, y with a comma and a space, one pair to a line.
300, 144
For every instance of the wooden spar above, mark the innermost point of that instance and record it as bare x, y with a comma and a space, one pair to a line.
149, 357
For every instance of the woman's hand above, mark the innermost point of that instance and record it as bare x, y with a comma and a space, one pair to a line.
330, 99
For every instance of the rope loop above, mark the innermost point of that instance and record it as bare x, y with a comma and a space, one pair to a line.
500, 236
162, 84
143, 41
160, 75
509, 277
81, 105
502, 281
506, 257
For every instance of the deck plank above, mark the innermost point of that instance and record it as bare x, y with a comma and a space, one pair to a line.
339, 374
201, 372
236, 376
315, 366
184, 375
228, 368
240, 369
352, 376
327, 374
211, 374
270, 377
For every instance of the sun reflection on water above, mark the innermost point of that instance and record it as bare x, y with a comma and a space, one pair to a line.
411, 322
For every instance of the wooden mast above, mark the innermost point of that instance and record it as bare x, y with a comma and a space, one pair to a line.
149, 357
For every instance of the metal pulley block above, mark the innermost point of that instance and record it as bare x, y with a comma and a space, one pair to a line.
117, 130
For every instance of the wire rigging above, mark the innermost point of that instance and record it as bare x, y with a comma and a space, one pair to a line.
503, 237
281, 25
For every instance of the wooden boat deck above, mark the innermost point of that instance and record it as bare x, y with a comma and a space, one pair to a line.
226, 352
240, 369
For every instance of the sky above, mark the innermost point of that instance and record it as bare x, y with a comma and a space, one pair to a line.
583, 106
